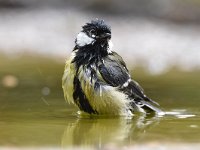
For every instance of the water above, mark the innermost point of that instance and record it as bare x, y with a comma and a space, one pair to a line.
34, 115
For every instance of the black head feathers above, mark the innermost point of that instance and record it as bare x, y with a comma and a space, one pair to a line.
97, 25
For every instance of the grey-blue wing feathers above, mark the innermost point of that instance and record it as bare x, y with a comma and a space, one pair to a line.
115, 73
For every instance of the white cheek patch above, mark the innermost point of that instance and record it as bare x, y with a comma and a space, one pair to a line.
83, 39
110, 46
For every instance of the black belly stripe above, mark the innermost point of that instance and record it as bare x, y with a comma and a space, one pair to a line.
80, 98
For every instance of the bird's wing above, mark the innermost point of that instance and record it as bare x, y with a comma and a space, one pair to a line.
115, 73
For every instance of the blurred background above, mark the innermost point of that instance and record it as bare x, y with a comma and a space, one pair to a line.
154, 34
158, 39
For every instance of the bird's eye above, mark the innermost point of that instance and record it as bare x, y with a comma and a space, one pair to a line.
93, 32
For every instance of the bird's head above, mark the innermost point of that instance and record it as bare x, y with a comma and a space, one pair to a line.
95, 33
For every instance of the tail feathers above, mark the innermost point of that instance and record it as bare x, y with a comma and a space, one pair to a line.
150, 100
137, 89
146, 107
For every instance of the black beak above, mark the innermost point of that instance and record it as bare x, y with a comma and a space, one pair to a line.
104, 36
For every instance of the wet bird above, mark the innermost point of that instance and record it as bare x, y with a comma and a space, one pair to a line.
97, 80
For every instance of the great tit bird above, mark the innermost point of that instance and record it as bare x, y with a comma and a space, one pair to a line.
97, 80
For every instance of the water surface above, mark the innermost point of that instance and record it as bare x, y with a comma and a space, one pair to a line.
33, 113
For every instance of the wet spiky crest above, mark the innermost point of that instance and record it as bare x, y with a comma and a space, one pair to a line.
97, 24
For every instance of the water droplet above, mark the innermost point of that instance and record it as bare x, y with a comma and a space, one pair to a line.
45, 91
45, 101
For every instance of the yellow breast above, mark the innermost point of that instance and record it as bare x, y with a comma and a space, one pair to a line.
105, 100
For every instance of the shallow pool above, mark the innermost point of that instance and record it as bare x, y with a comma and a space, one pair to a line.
34, 115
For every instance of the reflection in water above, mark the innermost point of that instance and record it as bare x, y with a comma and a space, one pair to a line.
100, 131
